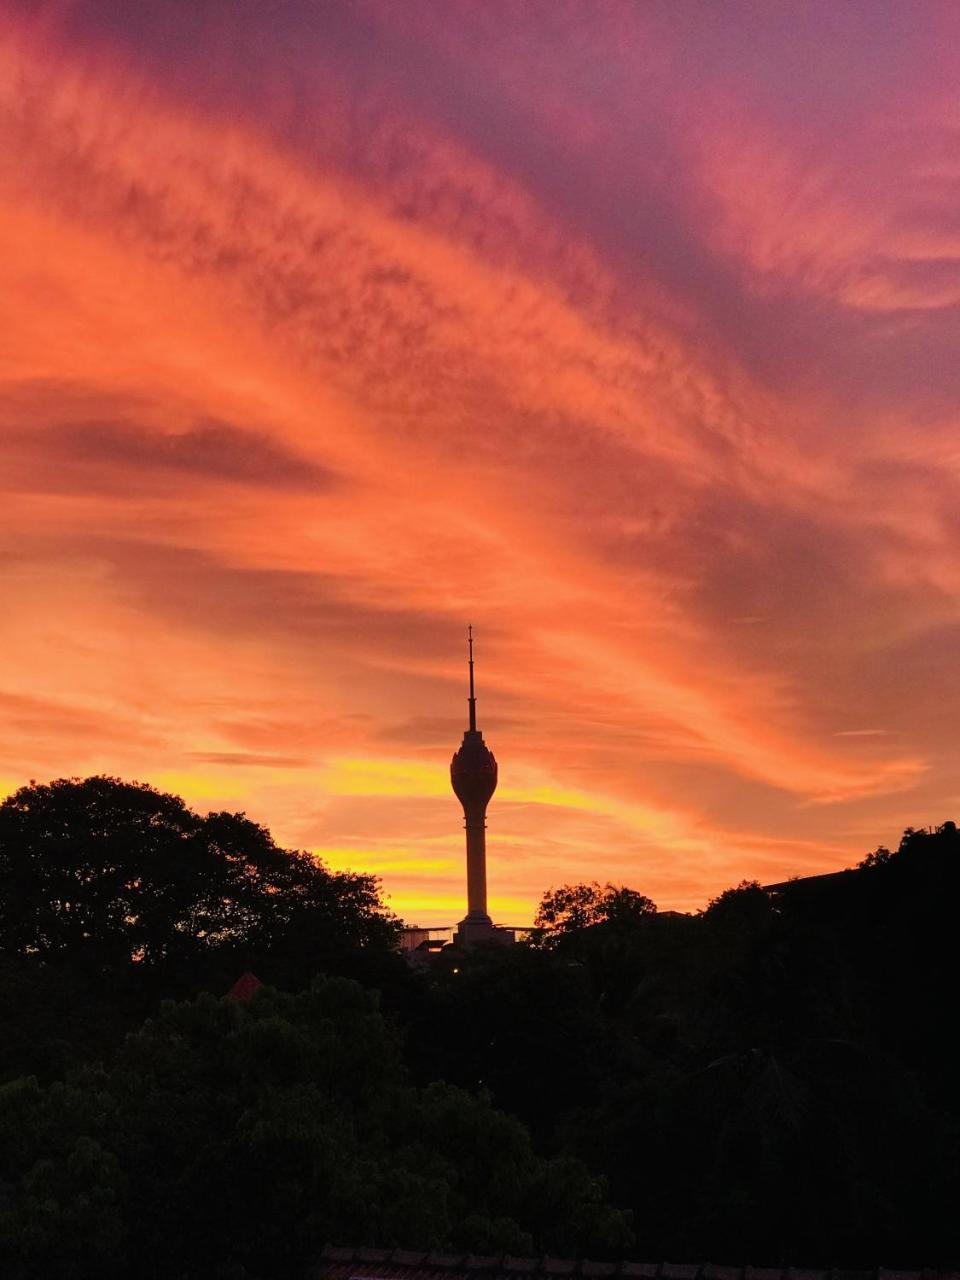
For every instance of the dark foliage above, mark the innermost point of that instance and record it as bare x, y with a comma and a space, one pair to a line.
113, 873
577, 906
113, 895
770, 1081
223, 1137
236, 1138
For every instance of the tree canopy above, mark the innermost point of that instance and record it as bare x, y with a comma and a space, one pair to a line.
760, 1081
112, 874
769, 1080
233, 1138
573, 907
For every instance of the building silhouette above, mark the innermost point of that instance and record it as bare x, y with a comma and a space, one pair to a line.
473, 775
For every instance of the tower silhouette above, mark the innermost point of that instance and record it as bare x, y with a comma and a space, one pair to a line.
473, 774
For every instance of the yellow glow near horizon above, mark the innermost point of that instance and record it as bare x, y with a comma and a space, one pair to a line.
391, 777
379, 861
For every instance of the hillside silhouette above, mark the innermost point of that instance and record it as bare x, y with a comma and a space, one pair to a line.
771, 1080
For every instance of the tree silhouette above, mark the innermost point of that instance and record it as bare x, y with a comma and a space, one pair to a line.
572, 907
111, 874
245, 1135
772, 1079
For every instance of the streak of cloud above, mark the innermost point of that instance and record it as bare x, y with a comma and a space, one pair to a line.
630, 339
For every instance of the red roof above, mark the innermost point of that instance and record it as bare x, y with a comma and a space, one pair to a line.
407, 1264
244, 987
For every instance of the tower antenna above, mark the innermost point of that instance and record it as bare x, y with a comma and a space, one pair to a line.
473, 775
472, 700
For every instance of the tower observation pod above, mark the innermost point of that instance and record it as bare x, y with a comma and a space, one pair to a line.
473, 774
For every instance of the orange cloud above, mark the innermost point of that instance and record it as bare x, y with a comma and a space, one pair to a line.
283, 407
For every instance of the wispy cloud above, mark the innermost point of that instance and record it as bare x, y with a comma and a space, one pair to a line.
324, 339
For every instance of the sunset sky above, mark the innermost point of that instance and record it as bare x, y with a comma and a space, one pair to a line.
627, 332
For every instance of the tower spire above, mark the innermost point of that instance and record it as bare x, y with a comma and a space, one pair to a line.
473, 773
472, 700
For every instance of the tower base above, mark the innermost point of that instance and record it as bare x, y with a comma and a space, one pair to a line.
477, 929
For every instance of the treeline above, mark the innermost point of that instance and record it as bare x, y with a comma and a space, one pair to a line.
772, 1080
151, 1128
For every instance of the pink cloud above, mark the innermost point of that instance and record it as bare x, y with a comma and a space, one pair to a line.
495, 323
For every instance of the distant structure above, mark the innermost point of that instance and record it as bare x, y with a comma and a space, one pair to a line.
244, 987
473, 774
346, 1263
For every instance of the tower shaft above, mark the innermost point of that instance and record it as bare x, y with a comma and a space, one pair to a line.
476, 826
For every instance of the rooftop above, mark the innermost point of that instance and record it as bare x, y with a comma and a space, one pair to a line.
405, 1264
